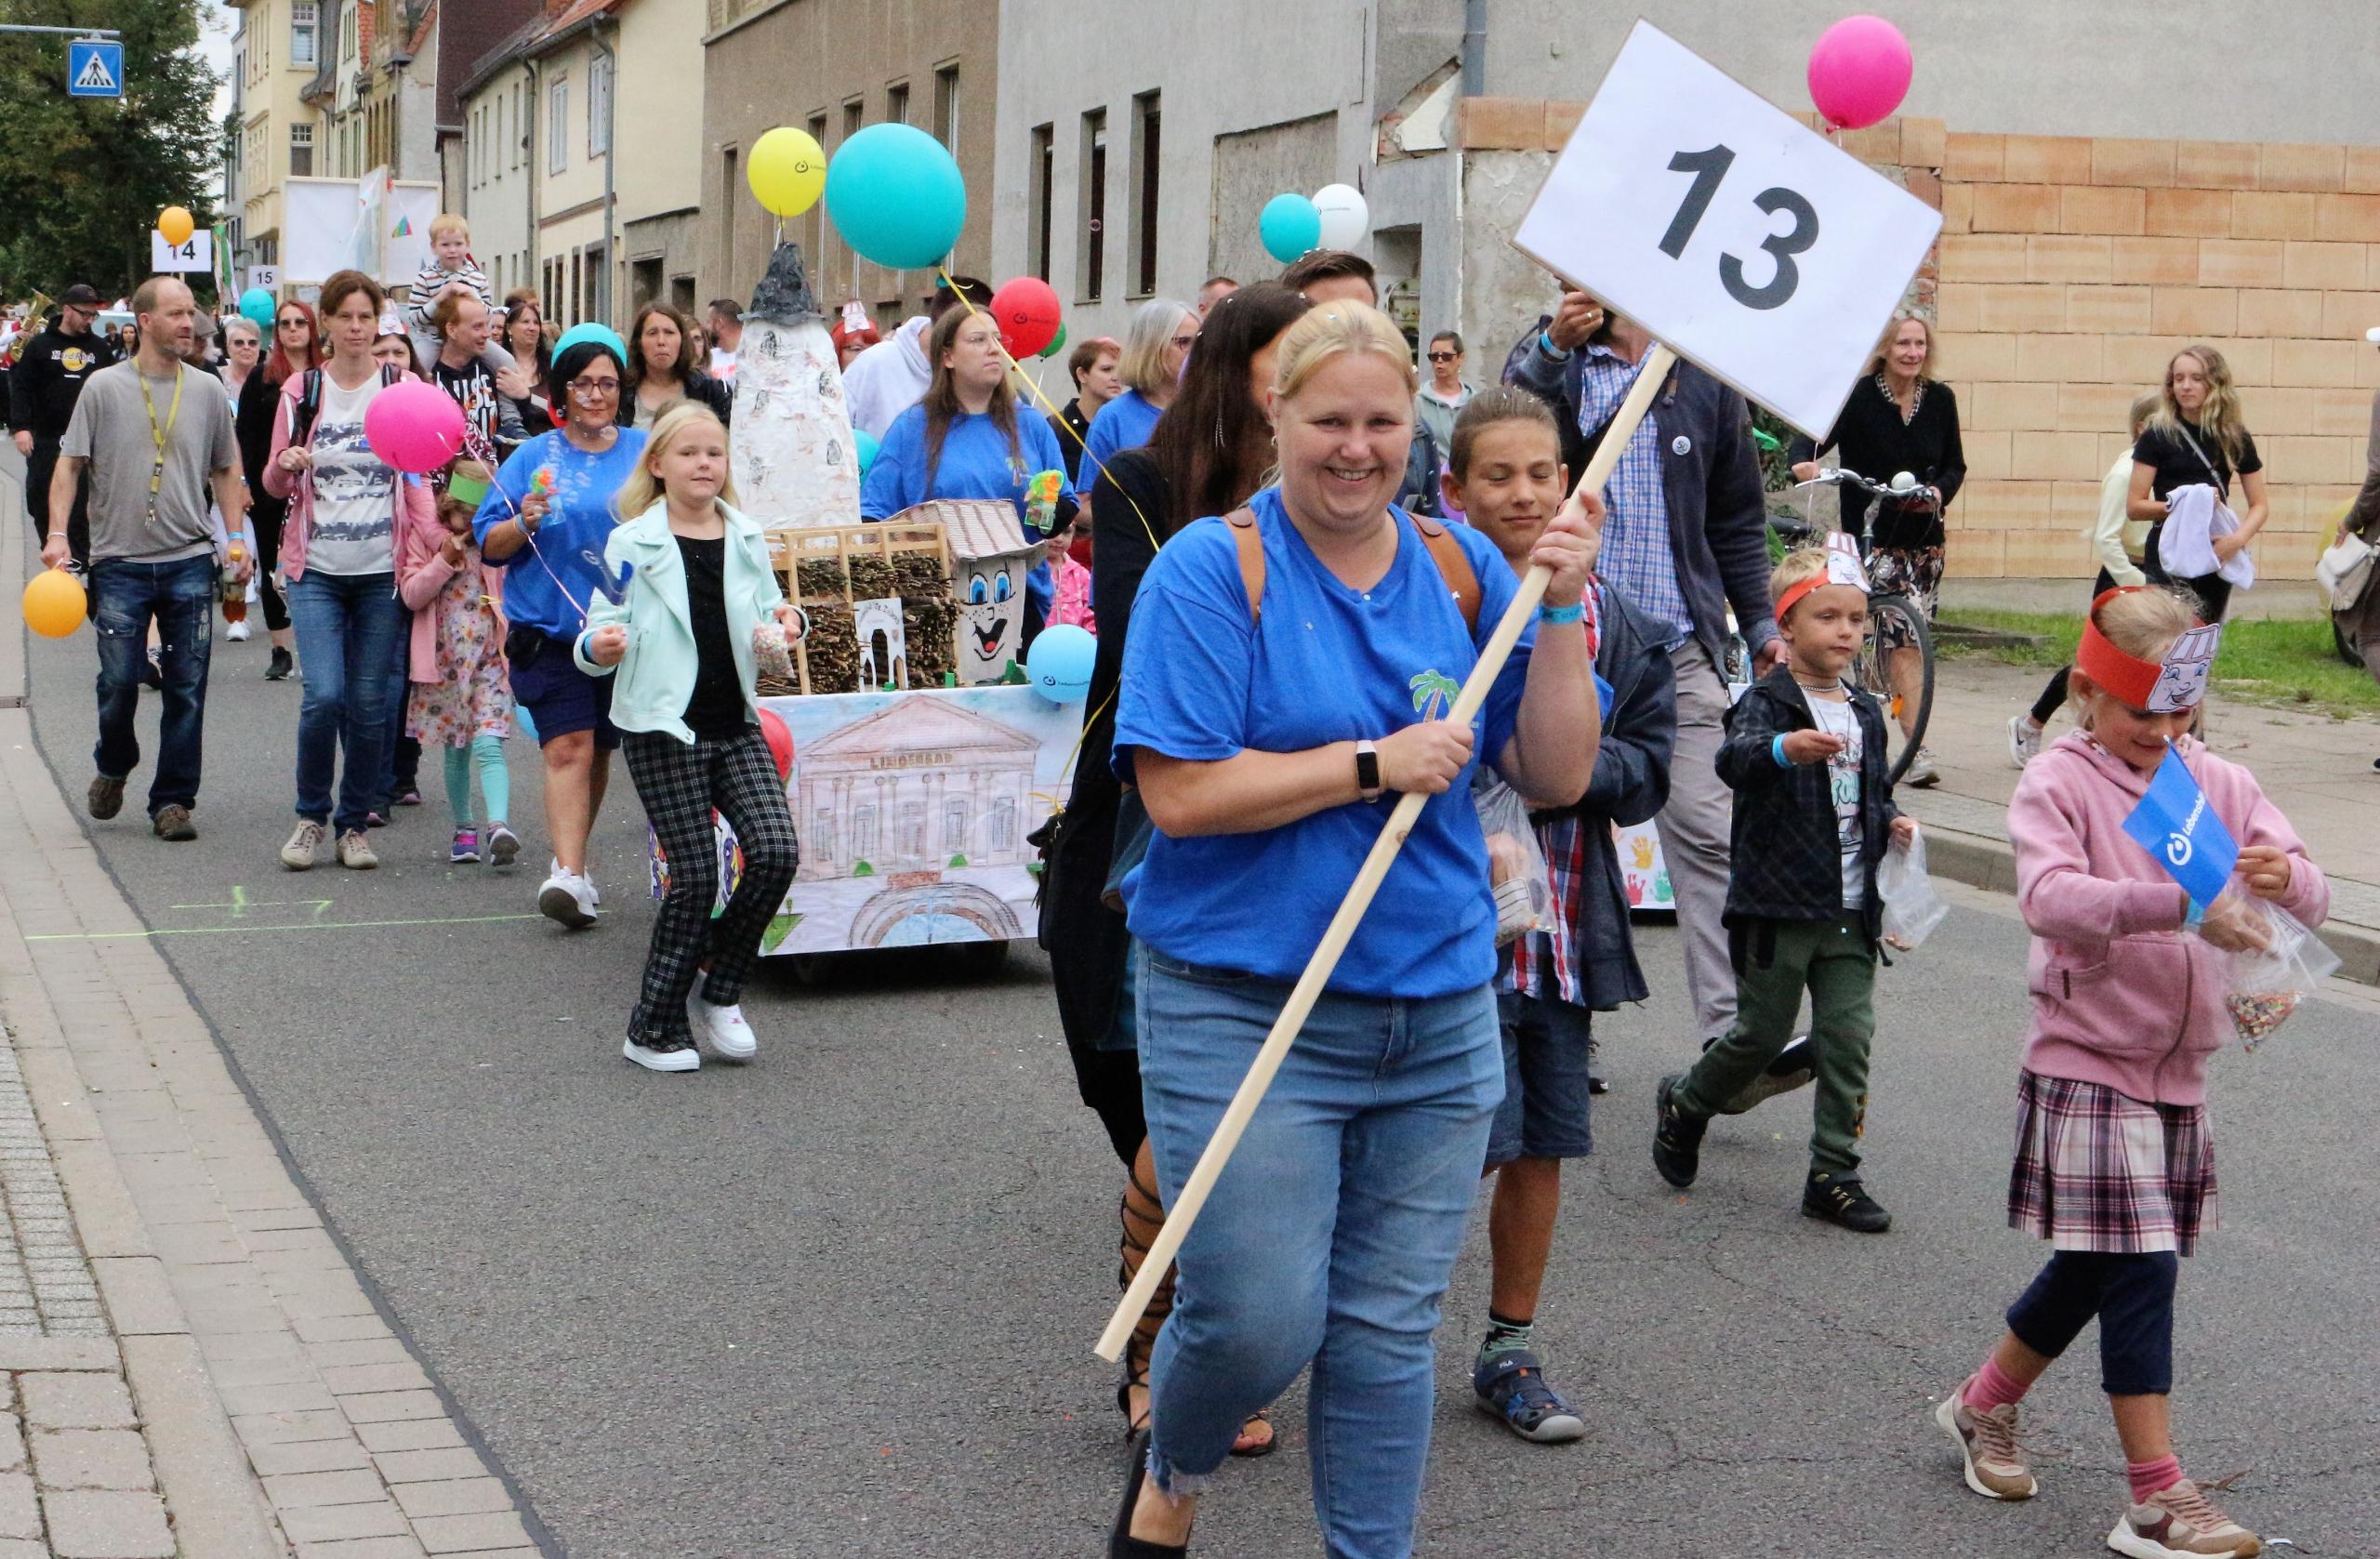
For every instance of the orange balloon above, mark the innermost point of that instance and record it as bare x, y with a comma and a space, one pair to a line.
54, 603
176, 224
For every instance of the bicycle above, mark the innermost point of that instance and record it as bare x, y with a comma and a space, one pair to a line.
1896, 625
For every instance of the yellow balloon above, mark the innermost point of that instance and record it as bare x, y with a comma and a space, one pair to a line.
54, 606
175, 223
787, 170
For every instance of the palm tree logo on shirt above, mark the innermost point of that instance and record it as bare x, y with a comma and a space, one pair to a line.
1432, 691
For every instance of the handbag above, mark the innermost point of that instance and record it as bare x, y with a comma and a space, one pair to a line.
2344, 571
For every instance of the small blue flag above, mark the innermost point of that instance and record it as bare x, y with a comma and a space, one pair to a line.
2175, 824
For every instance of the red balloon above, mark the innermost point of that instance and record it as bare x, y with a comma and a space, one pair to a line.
780, 740
1027, 311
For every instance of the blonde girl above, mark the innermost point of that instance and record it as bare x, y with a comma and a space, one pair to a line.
2196, 435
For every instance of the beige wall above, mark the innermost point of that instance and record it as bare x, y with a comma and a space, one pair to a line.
659, 173
770, 62
570, 203
270, 103
492, 183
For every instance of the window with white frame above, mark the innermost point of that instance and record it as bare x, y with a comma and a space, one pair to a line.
305, 23
599, 106
301, 151
558, 125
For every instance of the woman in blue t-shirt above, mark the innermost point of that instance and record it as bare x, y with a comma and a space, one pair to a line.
546, 522
1155, 345
1264, 737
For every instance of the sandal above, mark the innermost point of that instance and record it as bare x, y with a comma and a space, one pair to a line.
1247, 1448
1136, 1373
1121, 1544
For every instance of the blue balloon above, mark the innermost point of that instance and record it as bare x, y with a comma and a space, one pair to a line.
1289, 226
866, 443
896, 195
592, 331
1059, 662
255, 307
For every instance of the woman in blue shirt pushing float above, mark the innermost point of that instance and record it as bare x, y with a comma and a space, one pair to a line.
1265, 736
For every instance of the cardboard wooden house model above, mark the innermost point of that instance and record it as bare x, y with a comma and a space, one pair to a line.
990, 557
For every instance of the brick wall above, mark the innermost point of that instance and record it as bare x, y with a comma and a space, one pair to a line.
2072, 268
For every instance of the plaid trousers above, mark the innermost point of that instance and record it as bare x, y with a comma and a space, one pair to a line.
681, 786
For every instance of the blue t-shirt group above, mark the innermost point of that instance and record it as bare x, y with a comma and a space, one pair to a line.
550, 586
977, 463
1126, 422
1204, 680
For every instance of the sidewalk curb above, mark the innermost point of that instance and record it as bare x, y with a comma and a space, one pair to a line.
1991, 863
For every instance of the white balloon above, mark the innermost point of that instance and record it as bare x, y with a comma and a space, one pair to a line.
1345, 217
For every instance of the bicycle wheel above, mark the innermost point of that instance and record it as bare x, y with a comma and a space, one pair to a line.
1908, 629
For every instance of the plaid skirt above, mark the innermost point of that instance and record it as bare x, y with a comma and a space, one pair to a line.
2099, 1171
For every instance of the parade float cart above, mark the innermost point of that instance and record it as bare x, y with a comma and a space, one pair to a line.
918, 771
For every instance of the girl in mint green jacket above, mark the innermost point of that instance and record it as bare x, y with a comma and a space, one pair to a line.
694, 585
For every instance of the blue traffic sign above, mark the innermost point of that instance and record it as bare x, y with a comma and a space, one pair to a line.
94, 69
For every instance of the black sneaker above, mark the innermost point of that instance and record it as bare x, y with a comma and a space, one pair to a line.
281, 667
1677, 1135
1841, 1200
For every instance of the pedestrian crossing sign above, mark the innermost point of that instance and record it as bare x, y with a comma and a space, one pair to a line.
94, 69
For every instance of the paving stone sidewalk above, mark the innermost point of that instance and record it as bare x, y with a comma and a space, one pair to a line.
195, 1368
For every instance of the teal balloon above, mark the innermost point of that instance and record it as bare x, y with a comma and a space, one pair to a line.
591, 331
1059, 664
1289, 226
866, 445
255, 307
896, 195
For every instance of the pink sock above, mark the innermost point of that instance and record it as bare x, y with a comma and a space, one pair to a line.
2148, 1477
1993, 1387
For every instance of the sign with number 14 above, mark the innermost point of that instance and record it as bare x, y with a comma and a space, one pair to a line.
1748, 244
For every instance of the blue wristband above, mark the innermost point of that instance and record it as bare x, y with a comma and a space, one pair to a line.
1545, 344
1777, 751
1574, 613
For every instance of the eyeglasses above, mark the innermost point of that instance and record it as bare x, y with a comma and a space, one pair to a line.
1442, 356
591, 389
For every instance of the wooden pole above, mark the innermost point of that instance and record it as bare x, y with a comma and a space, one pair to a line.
1319, 970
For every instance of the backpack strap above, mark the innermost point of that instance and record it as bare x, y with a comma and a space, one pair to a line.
1453, 564
310, 405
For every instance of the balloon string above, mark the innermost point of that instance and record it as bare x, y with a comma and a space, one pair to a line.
1055, 416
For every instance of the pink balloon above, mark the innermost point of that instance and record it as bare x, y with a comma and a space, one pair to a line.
417, 427
1859, 72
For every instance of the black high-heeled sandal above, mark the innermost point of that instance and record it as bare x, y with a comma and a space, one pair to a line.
1121, 1544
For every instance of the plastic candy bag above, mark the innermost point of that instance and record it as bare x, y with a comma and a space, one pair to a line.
2266, 986
1911, 906
1515, 866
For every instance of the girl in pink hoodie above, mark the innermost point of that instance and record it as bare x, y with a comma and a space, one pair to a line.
461, 684
2115, 1164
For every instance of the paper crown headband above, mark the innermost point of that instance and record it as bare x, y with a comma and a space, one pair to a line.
2161, 687
1843, 567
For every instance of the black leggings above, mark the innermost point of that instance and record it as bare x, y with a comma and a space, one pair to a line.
265, 517
2132, 1297
2054, 696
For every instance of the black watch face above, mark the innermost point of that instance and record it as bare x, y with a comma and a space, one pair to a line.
1368, 771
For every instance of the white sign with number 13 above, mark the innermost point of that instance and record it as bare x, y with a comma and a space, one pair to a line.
1752, 246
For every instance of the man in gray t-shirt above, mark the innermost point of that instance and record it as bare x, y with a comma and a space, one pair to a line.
151, 436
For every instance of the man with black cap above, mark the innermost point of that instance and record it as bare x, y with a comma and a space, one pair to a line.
43, 389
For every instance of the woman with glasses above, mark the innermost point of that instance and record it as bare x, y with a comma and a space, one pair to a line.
546, 522
662, 371
1155, 345
524, 337
297, 346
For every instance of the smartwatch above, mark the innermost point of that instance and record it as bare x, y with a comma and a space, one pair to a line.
1368, 771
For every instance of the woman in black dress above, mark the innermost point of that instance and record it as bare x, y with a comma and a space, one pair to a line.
297, 346
1207, 456
2197, 438
1900, 418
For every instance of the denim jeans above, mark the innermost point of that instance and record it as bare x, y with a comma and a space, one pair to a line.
180, 596
349, 627
1329, 1236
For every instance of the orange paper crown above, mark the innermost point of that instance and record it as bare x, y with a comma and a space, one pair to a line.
2161, 687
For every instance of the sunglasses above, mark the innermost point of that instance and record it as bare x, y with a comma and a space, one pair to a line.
1442, 356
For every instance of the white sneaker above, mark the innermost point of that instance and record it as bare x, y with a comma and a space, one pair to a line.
685, 1058
569, 898
355, 851
1921, 773
238, 632
594, 894
297, 854
2024, 740
722, 1028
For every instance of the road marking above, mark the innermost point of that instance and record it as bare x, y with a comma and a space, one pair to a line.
241, 903
310, 926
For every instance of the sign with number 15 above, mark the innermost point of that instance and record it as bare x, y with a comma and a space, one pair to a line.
1748, 244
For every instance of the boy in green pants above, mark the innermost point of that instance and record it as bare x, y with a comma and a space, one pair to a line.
1814, 813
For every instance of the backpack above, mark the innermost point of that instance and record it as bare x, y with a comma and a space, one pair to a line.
309, 401
1454, 563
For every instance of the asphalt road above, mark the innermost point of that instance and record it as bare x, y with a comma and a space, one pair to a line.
842, 1302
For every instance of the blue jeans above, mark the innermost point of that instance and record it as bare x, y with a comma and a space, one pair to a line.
125, 595
1329, 1236
348, 628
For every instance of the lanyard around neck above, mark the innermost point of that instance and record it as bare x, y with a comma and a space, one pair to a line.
159, 436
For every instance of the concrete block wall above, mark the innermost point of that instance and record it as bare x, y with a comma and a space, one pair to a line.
2069, 271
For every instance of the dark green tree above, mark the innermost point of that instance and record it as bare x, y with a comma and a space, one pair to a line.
82, 180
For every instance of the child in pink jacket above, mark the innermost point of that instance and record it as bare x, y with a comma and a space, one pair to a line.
2115, 1163
461, 685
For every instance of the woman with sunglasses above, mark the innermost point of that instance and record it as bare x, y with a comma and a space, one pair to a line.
1155, 345
297, 346
546, 522
524, 335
